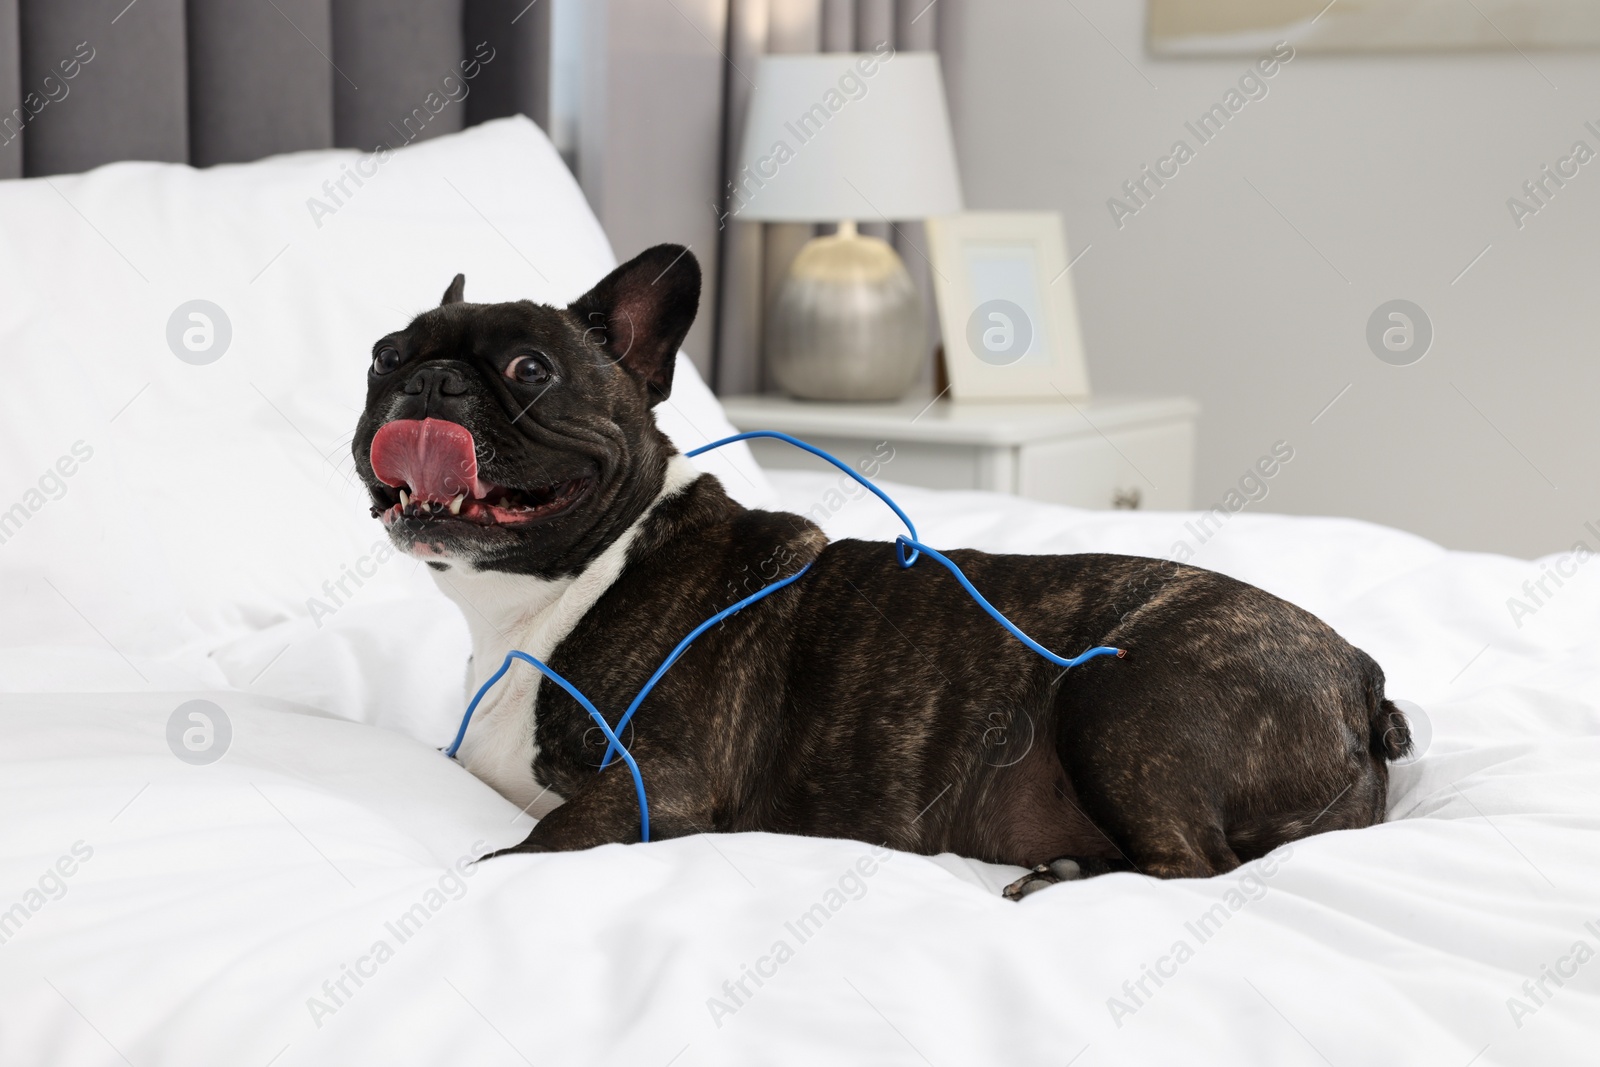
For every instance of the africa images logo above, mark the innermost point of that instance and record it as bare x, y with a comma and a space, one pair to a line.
199, 732
1399, 333
199, 332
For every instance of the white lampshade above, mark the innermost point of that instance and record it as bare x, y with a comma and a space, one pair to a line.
846, 136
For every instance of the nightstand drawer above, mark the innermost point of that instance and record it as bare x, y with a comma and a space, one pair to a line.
1106, 454
1150, 468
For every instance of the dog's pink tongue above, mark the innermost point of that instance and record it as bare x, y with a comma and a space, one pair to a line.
435, 458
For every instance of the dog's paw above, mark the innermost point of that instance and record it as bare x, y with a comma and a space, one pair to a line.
1042, 877
524, 848
1066, 870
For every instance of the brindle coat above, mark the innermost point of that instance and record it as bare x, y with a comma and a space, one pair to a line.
869, 701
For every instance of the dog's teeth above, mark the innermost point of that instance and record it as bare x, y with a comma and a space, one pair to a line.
405, 498
455, 505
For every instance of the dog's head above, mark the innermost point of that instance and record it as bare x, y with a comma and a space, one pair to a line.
519, 437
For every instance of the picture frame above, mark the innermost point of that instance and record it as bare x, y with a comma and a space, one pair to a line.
1184, 28
1007, 307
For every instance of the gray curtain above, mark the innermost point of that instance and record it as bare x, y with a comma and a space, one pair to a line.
755, 256
88, 82
10, 89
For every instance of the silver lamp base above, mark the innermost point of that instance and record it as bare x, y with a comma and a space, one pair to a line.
847, 323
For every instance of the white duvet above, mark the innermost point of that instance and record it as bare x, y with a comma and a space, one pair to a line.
174, 531
307, 899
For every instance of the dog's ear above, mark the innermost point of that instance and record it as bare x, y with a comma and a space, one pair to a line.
457, 291
640, 312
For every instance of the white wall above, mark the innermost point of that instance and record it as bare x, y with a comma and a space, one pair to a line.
1396, 170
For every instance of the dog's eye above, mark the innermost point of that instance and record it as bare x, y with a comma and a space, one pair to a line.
385, 361
531, 370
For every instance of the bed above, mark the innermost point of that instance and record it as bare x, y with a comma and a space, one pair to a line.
294, 883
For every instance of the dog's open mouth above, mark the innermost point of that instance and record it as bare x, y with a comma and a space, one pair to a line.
429, 471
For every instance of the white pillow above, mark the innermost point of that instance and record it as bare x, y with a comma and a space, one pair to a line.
208, 502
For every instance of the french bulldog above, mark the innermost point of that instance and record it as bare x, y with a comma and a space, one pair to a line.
513, 447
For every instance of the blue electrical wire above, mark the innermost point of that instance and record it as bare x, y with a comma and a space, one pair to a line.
906, 541
613, 744
594, 713
903, 542
820, 454
1101, 650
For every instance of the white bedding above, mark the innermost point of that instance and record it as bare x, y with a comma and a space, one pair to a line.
155, 912
218, 899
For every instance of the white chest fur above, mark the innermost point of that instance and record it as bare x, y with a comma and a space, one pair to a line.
513, 611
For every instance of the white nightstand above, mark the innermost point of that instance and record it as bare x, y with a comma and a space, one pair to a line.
1109, 453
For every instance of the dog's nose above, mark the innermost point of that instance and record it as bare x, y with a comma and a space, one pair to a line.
434, 383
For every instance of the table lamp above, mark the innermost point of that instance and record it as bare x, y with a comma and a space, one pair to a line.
839, 137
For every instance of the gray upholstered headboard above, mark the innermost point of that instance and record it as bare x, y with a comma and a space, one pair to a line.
86, 82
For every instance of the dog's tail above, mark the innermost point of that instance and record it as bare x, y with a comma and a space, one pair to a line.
1389, 733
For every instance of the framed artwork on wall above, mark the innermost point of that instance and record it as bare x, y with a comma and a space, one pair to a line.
1246, 27
1006, 306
